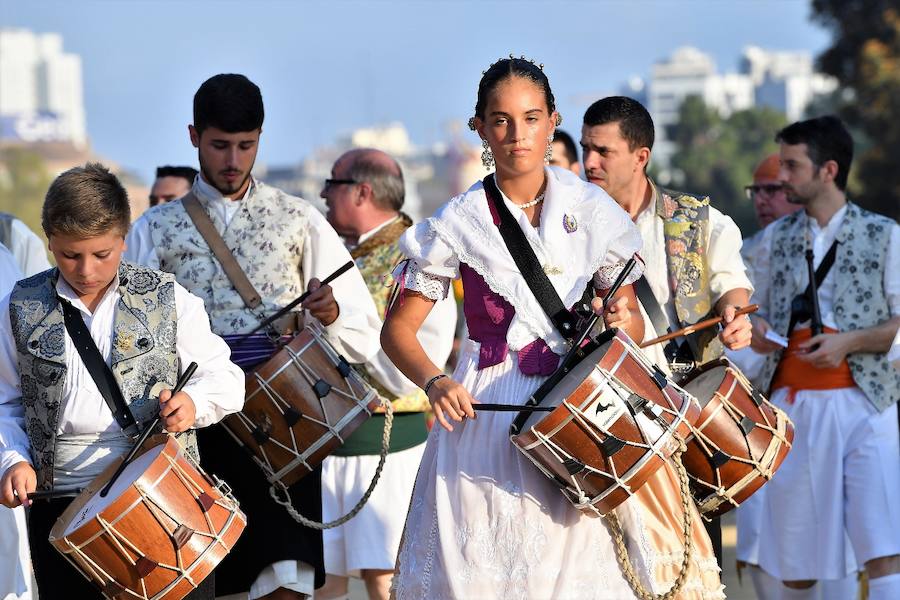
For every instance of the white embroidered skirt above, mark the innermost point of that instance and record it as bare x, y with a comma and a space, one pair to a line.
485, 523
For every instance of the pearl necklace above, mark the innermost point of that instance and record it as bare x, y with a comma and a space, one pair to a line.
534, 202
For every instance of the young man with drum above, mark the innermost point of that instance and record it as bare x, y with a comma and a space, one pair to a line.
364, 197
58, 429
833, 505
484, 522
282, 247
692, 251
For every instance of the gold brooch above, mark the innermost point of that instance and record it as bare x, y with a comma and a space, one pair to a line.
552, 270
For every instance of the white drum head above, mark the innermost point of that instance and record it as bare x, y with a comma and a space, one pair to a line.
97, 504
568, 384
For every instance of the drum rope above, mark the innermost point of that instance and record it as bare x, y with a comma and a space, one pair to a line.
385, 445
622, 550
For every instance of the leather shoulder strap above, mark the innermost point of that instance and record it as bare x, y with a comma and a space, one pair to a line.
529, 266
229, 263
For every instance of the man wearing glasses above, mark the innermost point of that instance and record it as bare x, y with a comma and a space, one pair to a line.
364, 197
284, 246
769, 202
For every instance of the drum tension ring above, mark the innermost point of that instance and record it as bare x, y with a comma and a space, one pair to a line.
611, 445
757, 397
747, 425
112, 589
573, 465
144, 566
321, 388
660, 378
182, 536
719, 458
291, 416
343, 367
262, 430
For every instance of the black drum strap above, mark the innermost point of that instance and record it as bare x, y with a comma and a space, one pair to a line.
529, 266
651, 305
821, 274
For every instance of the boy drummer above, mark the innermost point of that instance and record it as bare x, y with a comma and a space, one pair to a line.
58, 431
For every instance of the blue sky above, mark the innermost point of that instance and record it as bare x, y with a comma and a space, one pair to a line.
328, 67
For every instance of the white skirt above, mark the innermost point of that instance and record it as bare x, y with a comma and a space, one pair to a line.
486, 523
832, 505
369, 540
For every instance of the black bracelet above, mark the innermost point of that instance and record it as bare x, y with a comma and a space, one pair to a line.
432, 381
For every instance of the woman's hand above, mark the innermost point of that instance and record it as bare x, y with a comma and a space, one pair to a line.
450, 399
617, 315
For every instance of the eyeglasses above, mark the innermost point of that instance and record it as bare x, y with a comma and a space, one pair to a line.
767, 189
331, 182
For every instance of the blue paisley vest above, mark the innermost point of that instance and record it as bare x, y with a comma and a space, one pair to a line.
143, 358
860, 300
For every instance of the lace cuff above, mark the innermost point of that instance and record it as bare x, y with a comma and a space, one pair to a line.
607, 274
433, 287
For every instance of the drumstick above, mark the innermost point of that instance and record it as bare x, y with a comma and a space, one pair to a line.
698, 326
182, 381
340, 271
511, 407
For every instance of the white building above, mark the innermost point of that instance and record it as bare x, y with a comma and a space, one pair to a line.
781, 80
41, 95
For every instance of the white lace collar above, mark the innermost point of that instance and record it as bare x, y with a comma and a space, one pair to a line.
579, 224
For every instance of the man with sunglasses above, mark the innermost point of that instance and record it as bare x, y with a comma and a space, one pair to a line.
769, 203
284, 247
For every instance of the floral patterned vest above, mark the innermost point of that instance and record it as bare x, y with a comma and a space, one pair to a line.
376, 258
266, 237
859, 299
143, 358
686, 229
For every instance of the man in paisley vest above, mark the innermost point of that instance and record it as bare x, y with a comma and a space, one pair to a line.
284, 246
364, 197
691, 250
832, 508
57, 430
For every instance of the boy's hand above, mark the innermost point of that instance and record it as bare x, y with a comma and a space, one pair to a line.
15, 485
177, 412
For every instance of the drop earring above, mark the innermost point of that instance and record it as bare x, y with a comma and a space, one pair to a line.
487, 155
548, 155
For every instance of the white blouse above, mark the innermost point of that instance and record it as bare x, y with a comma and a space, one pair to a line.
582, 234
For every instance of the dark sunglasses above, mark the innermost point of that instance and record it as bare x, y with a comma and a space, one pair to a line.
331, 182
769, 189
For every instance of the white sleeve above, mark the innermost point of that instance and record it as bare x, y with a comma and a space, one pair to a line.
28, 248
622, 248
894, 352
217, 388
892, 274
14, 445
432, 263
357, 330
436, 336
139, 248
727, 271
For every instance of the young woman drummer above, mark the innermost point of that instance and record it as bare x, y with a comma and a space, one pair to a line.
483, 522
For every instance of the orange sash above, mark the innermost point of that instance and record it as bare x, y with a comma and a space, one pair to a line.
796, 374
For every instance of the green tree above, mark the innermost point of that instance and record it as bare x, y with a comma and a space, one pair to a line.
716, 156
865, 59
24, 180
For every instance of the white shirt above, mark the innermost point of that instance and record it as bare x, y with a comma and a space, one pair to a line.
726, 269
355, 333
217, 387
436, 336
822, 238
28, 249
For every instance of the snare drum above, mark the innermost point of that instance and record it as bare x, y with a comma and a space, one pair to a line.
161, 529
617, 419
300, 406
738, 442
